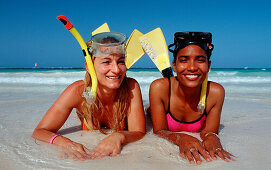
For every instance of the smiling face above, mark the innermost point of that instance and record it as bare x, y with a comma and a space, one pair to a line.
191, 66
110, 70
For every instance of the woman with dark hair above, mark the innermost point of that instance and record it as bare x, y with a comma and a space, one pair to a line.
178, 106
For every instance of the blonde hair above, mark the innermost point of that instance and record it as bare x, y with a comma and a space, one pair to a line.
94, 111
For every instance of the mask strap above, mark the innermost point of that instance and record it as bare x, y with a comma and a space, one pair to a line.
171, 45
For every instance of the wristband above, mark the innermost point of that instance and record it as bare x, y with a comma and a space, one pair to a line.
211, 133
53, 138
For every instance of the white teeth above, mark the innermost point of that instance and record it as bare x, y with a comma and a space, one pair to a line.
113, 77
191, 76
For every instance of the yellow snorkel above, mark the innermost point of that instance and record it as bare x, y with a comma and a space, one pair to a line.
203, 93
86, 53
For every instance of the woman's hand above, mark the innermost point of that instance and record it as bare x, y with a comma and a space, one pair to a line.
191, 148
110, 146
212, 144
74, 151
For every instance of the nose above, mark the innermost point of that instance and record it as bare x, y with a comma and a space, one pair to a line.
115, 68
192, 66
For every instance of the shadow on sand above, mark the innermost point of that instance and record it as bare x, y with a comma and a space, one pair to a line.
69, 130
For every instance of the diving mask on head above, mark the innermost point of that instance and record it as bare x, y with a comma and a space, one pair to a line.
201, 39
106, 43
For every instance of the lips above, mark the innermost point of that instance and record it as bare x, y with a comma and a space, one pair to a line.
191, 76
113, 77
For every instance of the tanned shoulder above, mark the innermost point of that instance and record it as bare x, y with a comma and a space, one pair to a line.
216, 89
132, 83
216, 95
75, 91
76, 87
131, 80
159, 84
159, 88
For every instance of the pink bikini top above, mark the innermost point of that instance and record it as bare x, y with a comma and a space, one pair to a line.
176, 125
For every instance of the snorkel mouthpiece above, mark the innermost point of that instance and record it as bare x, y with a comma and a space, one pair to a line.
201, 107
106, 43
88, 95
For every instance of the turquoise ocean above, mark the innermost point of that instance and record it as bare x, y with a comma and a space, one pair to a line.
256, 82
26, 95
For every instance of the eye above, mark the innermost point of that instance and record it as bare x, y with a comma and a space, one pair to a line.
121, 62
182, 60
105, 62
201, 59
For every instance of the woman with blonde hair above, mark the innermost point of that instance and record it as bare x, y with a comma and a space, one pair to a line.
118, 104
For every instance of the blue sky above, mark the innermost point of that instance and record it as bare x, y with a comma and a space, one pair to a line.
30, 32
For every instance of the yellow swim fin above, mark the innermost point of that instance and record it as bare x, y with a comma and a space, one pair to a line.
134, 51
102, 28
155, 46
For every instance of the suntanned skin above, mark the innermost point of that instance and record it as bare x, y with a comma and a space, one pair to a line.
110, 72
191, 67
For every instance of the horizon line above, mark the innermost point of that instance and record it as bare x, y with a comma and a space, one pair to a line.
129, 69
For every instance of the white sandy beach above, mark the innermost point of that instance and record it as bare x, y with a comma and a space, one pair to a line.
244, 131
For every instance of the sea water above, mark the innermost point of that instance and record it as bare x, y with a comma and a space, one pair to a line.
26, 94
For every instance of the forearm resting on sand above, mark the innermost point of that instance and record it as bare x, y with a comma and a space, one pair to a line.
170, 136
67, 148
130, 136
46, 136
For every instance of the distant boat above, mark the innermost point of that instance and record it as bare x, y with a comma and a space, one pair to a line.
245, 68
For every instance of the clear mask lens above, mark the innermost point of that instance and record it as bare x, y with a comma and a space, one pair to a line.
104, 44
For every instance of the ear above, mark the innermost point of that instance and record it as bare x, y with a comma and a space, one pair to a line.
209, 66
174, 66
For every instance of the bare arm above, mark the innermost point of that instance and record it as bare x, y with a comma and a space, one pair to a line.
214, 107
57, 115
135, 117
158, 90
54, 119
208, 134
